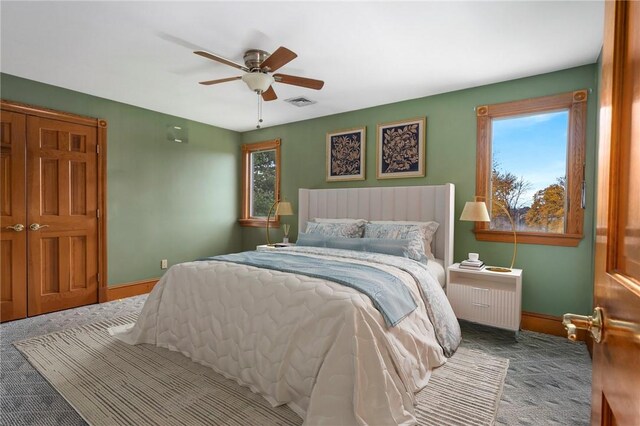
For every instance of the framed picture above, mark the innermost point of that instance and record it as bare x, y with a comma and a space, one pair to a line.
345, 154
400, 149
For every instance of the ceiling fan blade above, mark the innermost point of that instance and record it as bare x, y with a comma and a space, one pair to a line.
220, 59
277, 59
220, 80
299, 81
269, 94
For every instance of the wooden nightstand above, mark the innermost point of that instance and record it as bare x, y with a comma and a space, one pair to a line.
485, 297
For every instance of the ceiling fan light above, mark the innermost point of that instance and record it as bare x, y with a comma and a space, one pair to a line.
257, 81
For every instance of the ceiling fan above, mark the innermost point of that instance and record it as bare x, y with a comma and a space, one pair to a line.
258, 66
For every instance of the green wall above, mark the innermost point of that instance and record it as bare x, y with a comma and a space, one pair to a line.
556, 279
165, 200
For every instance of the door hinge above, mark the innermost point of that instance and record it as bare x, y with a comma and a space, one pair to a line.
97, 149
98, 213
98, 277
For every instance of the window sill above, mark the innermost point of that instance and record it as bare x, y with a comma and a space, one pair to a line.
259, 223
565, 240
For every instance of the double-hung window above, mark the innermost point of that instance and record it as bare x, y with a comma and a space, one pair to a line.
530, 162
260, 181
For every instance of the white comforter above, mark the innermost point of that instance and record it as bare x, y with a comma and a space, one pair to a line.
317, 346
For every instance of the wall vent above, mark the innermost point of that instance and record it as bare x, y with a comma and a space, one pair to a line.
300, 101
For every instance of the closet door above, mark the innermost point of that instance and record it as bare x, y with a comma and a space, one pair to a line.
62, 215
13, 220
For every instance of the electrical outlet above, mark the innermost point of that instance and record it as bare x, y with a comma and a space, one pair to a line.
164, 264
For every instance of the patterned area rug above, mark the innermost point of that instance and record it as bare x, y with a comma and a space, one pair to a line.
111, 383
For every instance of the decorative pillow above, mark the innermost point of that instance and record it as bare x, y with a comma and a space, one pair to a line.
373, 245
413, 233
345, 243
342, 220
310, 240
348, 230
428, 230
387, 246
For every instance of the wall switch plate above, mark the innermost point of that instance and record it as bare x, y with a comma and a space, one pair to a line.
164, 264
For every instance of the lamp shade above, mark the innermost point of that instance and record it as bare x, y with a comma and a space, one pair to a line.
475, 211
283, 208
257, 81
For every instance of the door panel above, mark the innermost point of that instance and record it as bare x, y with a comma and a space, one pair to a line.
616, 360
62, 189
13, 243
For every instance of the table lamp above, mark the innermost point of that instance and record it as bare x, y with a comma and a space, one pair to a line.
282, 208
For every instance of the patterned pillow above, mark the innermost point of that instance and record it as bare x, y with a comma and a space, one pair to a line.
340, 220
348, 230
428, 230
413, 233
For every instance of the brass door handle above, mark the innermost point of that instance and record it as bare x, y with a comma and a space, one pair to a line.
593, 324
36, 226
17, 227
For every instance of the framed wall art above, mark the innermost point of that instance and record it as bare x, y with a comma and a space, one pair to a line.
345, 154
401, 149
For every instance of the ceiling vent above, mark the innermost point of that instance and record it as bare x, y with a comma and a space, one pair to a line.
300, 101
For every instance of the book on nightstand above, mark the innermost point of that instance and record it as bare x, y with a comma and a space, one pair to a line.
472, 264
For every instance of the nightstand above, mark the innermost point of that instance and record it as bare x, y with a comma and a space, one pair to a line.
272, 247
485, 297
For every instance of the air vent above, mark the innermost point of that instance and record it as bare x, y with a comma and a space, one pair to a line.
300, 101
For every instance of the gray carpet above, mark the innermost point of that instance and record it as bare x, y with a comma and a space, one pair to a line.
549, 378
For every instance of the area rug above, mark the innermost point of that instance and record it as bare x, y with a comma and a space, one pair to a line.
111, 383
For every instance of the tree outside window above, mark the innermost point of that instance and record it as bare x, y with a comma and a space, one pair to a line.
260, 182
530, 160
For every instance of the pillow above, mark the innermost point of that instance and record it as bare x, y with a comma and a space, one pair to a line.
387, 246
310, 240
344, 220
428, 230
413, 233
345, 243
373, 245
348, 230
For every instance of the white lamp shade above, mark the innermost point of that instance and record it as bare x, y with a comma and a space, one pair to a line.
257, 81
475, 211
284, 209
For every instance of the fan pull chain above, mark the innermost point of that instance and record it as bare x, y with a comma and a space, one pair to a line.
259, 110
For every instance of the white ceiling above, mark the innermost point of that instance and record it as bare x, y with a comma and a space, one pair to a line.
368, 53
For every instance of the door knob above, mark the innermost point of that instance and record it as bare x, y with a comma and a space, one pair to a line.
17, 227
593, 324
36, 226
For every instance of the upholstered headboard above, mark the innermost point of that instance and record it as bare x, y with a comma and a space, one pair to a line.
415, 203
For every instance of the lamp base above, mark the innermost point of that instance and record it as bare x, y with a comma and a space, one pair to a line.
497, 269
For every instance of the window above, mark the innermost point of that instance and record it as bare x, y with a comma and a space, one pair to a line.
260, 181
530, 162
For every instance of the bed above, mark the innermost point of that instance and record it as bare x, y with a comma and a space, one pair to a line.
308, 339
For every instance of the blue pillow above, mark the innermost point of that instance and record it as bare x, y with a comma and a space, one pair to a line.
387, 246
310, 240
343, 243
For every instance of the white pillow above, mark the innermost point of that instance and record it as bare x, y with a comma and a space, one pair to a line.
427, 229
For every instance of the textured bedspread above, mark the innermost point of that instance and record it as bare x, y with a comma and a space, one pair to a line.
315, 345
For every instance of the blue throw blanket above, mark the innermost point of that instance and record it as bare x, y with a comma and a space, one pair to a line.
387, 292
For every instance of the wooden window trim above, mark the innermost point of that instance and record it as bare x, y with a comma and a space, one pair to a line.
247, 150
576, 103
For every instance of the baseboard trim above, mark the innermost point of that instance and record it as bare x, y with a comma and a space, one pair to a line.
547, 324
122, 291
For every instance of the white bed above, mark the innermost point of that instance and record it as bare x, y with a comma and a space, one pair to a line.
320, 347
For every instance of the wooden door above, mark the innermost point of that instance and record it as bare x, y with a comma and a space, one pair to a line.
62, 215
13, 220
616, 360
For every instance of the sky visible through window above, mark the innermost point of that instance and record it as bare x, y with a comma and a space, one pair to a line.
533, 147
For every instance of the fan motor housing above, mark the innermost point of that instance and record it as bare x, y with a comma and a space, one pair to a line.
254, 57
